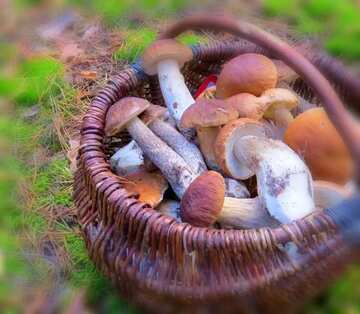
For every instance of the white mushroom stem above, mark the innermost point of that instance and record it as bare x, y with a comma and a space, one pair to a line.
170, 208
284, 181
188, 151
176, 94
174, 168
235, 189
130, 157
127, 159
245, 213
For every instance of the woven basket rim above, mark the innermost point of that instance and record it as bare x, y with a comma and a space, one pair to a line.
123, 235
315, 223
105, 208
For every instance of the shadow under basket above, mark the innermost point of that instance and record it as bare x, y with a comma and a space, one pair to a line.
169, 267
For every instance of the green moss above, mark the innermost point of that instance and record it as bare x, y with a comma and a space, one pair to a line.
33, 81
136, 41
134, 44
53, 184
336, 21
120, 12
191, 39
38, 79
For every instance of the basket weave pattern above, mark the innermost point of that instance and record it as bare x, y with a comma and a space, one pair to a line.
171, 267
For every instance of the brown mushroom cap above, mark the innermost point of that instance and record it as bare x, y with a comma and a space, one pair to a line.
203, 200
227, 138
208, 113
248, 73
122, 112
247, 105
278, 98
150, 186
206, 139
313, 136
152, 113
165, 49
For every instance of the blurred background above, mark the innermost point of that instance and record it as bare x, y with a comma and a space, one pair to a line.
54, 56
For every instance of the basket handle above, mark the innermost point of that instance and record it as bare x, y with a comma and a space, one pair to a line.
343, 121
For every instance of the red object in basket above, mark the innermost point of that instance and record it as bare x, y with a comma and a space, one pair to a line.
208, 82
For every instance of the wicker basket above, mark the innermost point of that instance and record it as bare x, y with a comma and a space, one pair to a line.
170, 267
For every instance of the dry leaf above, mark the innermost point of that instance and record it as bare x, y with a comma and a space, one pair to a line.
89, 75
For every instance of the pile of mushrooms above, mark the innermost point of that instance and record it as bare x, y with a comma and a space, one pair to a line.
196, 159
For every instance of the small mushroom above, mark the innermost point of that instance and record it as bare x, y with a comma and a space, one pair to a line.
203, 200
274, 104
150, 186
313, 136
130, 158
204, 203
127, 159
284, 181
123, 114
280, 101
165, 57
329, 194
206, 115
170, 208
247, 73
152, 117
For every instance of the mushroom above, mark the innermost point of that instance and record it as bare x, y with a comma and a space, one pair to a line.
152, 117
329, 194
165, 57
284, 181
130, 158
187, 150
123, 114
149, 186
274, 104
170, 208
226, 141
247, 73
127, 159
313, 136
280, 101
207, 115
204, 203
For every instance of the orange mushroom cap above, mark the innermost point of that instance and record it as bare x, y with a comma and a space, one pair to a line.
247, 73
150, 186
208, 113
203, 200
313, 136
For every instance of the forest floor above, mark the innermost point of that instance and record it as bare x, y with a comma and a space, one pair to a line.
53, 60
